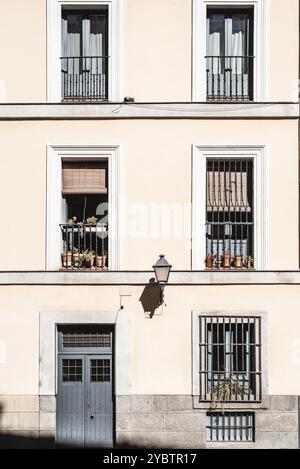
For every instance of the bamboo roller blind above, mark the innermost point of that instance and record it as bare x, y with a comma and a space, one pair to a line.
85, 177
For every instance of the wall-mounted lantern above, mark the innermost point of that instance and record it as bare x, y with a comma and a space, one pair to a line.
162, 271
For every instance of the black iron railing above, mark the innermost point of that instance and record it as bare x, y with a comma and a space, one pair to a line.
84, 78
230, 359
84, 246
229, 78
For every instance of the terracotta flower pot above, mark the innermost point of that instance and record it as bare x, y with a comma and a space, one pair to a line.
101, 262
209, 262
89, 263
227, 260
66, 259
238, 262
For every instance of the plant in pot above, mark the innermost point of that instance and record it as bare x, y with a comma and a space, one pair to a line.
66, 259
225, 389
77, 258
227, 260
88, 258
238, 262
250, 262
101, 260
92, 221
209, 261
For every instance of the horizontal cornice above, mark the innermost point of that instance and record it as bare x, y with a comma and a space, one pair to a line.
144, 277
149, 111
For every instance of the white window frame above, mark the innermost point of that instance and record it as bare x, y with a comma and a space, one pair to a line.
200, 156
55, 155
199, 45
54, 8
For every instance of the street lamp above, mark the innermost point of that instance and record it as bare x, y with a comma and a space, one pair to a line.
162, 271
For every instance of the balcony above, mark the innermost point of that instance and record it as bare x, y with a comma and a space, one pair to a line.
84, 78
84, 246
229, 78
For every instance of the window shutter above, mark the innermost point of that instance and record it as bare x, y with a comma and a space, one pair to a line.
84, 178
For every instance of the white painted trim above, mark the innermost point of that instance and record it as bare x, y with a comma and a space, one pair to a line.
116, 111
195, 346
54, 197
199, 45
54, 46
48, 322
200, 155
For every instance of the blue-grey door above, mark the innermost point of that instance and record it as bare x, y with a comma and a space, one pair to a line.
85, 388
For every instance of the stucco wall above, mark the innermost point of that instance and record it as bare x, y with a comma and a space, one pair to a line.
154, 169
161, 347
156, 40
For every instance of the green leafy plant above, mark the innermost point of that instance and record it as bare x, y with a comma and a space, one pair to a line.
91, 220
224, 390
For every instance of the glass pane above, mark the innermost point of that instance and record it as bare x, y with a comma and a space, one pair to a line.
72, 370
100, 371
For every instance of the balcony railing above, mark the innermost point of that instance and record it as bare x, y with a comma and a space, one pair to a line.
229, 78
84, 246
84, 78
229, 245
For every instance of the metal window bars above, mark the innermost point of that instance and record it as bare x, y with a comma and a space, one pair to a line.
84, 78
230, 427
230, 359
229, 214
229, 78
84, 246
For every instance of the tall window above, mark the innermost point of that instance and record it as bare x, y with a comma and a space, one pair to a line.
229, 54
85, 201
229, 214
230, 358
84, 62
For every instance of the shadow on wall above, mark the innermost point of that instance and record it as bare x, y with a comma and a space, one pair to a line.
150, 298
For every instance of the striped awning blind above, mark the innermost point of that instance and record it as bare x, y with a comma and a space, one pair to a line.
228, 186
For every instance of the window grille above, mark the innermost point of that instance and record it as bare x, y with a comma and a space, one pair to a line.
72, 370
100, 371
73, 337
230, 358
229, 214
230, 426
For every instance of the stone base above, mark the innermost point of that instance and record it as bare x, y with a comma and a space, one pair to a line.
174, 422
151, 421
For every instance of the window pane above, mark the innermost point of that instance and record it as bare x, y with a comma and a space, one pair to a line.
100, 371
71, 370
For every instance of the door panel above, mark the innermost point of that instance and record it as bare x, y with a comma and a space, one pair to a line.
70, 400
99, 415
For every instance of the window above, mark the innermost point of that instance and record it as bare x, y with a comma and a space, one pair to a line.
229, 214
100, 371
83, 54
72, 370
84, 61
229, 54
85, 228
230, 427
230, 358
229, 50
85, 337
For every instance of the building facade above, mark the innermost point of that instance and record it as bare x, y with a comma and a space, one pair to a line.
131, 128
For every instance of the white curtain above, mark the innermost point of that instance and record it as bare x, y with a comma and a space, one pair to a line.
83, 76
226, 76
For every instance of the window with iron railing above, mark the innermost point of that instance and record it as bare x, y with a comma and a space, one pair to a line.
229, 59
230, 359
230, 426
84, 60
229, 214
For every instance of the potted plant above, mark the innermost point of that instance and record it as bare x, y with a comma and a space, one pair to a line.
92, 221
88, 258
225, 389
66, 259
218, 262
250, 262
227, 260
101, 261
209, 261
238, 262
77, 258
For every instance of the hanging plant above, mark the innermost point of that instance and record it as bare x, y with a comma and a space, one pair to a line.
224, 390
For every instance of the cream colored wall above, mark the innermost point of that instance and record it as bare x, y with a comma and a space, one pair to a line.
23, 51
161, 347
156, 50
154, 169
